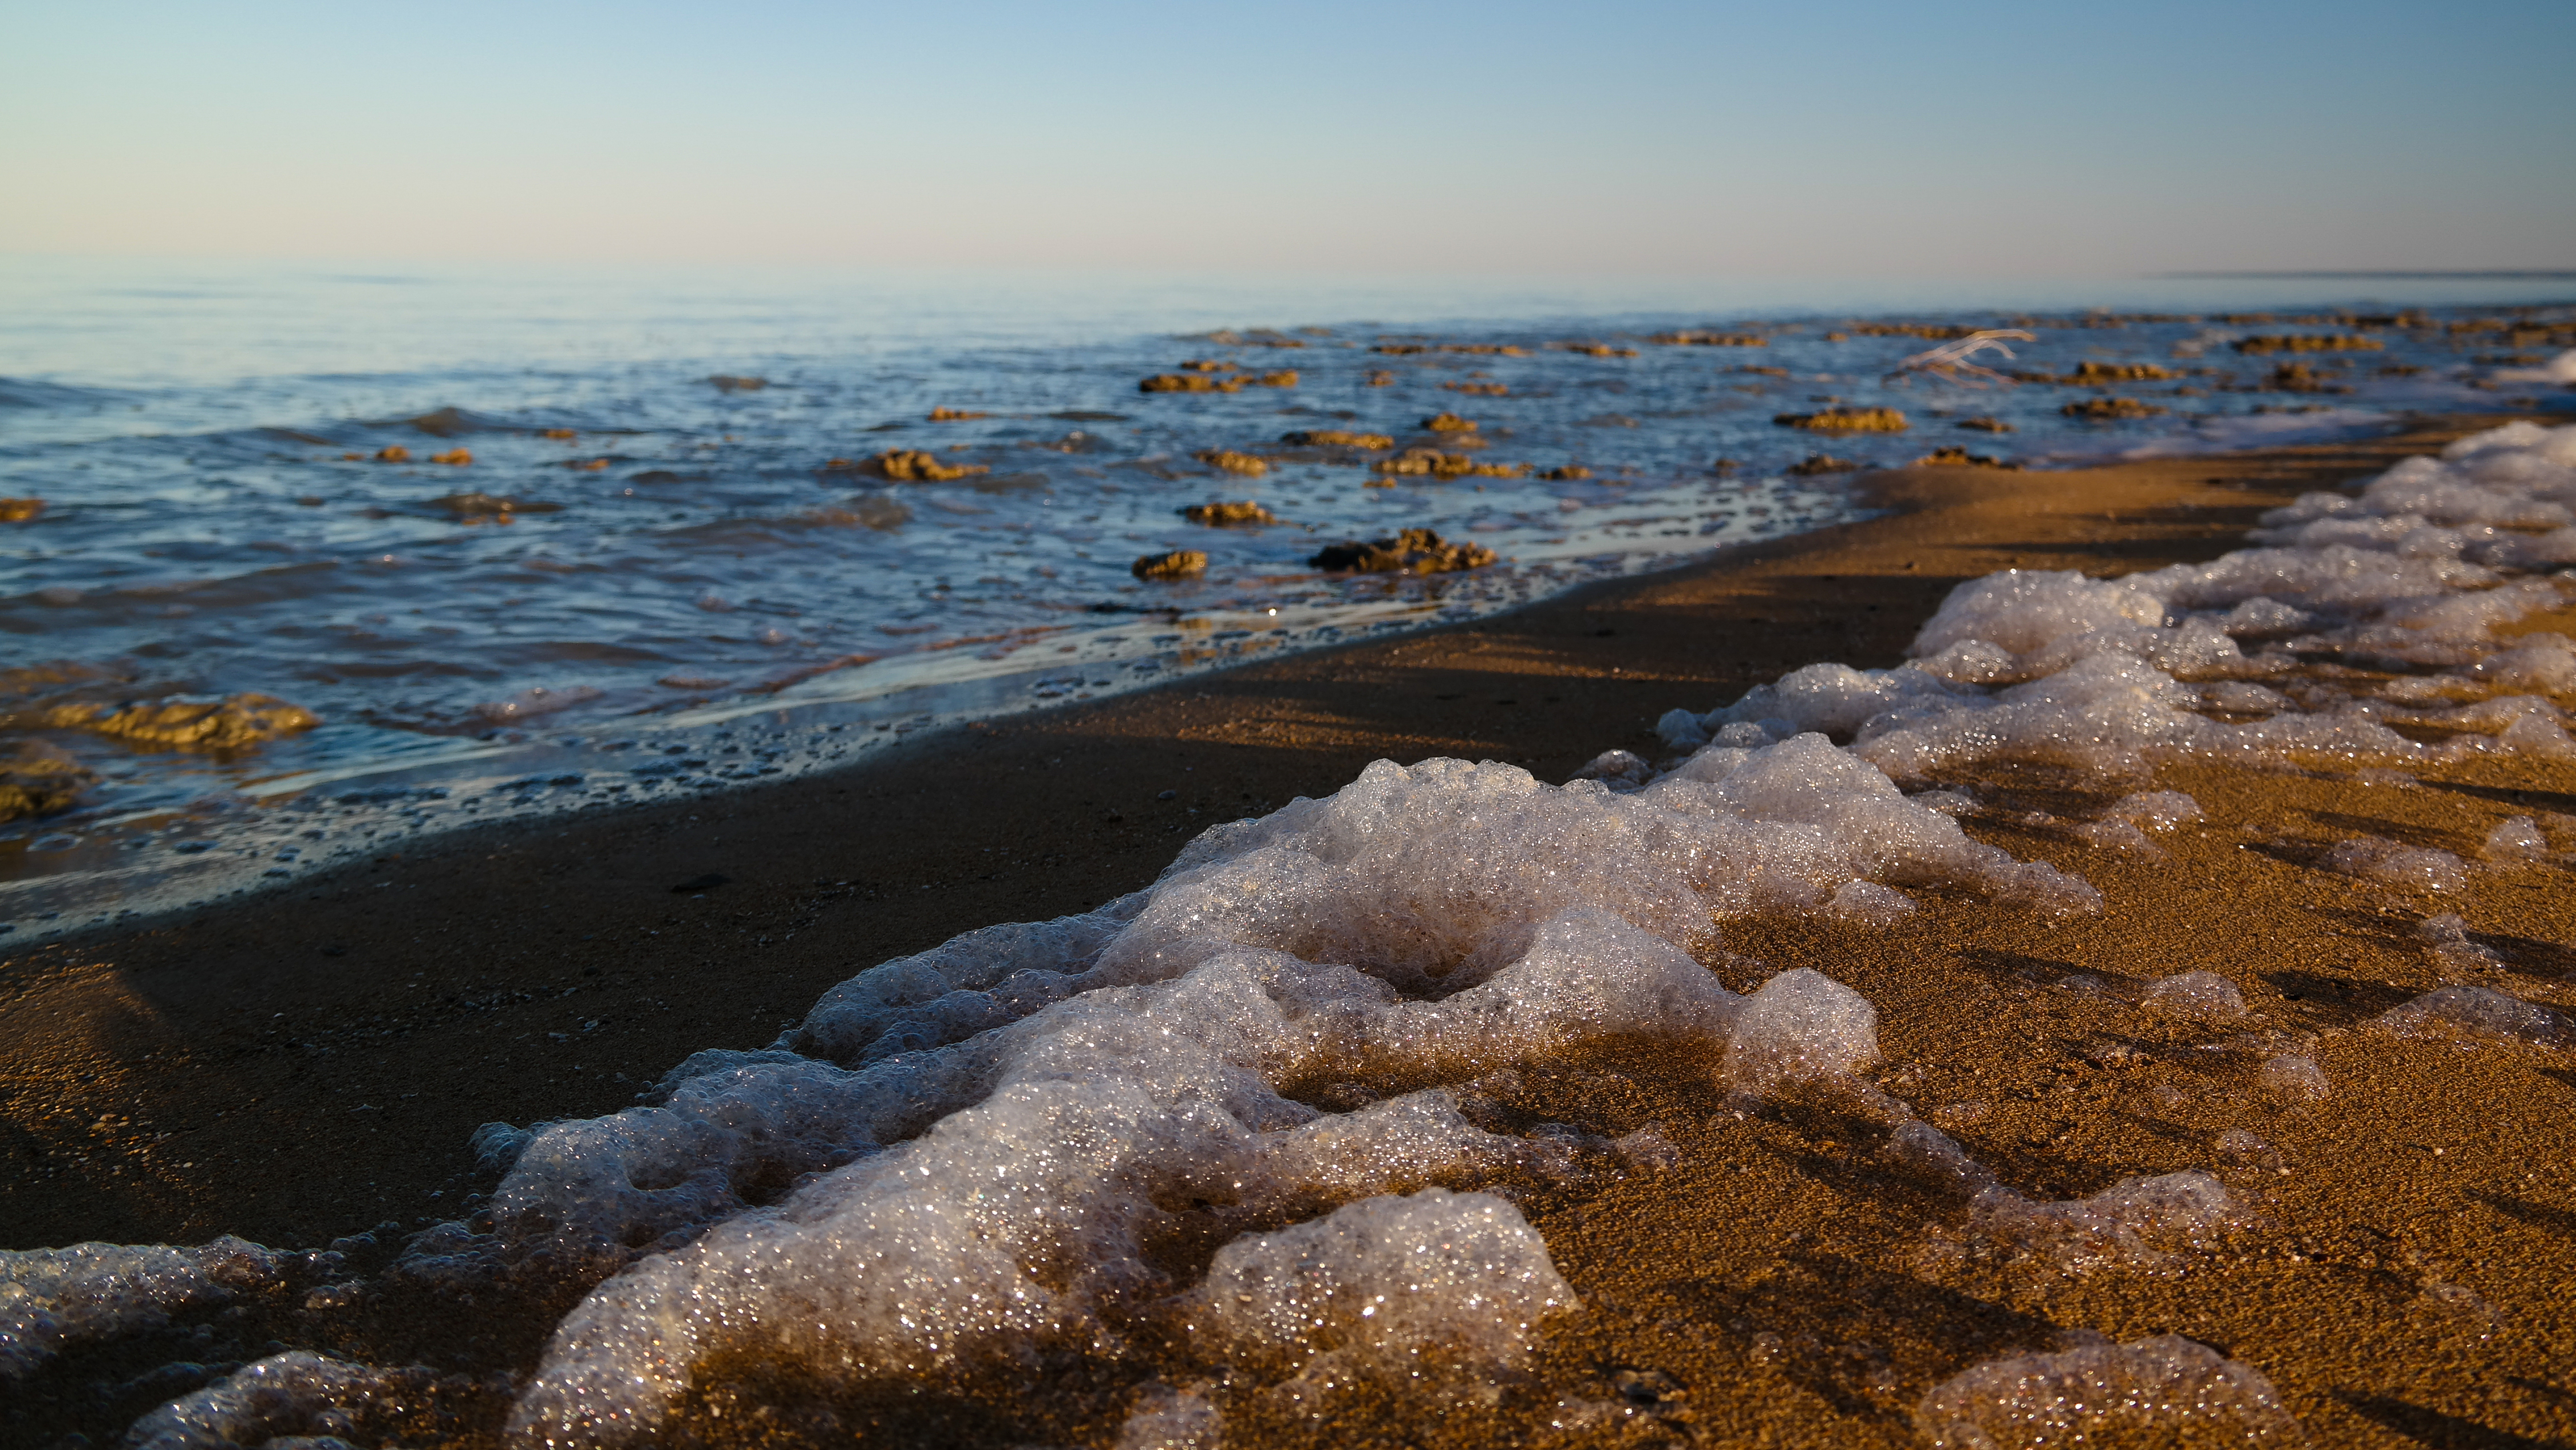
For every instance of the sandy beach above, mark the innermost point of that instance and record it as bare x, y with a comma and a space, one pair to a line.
310, 1064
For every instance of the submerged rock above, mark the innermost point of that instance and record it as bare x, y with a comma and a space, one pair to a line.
1566, 473
1336, 438
471, 506
38, 779
906, 465
1178, 564
2261, 346
2098, 410
1448, 423
453, 457
1695, 337
1431, 462
1413, 551
1815, 463
1220, 514
1596, 349
1249, 465
233, 723
19, 510
730, 383
1961, 458
393, 453
952, 415
1845, 420
1984, 425
1188, 383
1481, 390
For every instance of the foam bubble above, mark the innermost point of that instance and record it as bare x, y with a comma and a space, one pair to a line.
1382, 1287
2293, 1077
2415, 867
1801, 1029
2471, 1014
294, 1398
2515, 838
2163, 1386
51, 1299
2199, 995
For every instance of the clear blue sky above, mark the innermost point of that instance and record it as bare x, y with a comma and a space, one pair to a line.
1603, 139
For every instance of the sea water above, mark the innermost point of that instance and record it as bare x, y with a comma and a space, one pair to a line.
642, 574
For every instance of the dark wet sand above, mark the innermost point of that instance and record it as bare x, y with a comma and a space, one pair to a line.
307, 1064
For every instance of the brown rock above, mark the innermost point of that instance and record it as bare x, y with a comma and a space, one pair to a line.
2101, 410
1380, 380
232, 724
1597, 349
1845, 420
484, 505
394, 453
1930, 332
1414, 551
952, 415
19, 510
2257, 346
559, 433
1178, 564
1567, 473
1955, 457
907, 465
729, 383
1481, 390
38, 779
1693, 337
1188, 383
1984, 425
1209, 365
2100, 372
1284, 378
1233, 462
1432, 463
1815, 463
1336, 438
1448, 423
1221, 515
453, 457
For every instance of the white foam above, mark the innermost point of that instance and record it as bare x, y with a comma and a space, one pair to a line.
1802, 1029
286, 1399
2145, 1223
2515, 838
2417, 868
2470, 1014
2294, 1077
2418, 570
2159, 1387
54, 1298
2199, 995
1383, 1288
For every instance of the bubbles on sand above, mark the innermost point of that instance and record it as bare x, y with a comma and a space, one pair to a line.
2155, 1389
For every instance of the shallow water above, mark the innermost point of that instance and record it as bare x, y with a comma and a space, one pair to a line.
684, 595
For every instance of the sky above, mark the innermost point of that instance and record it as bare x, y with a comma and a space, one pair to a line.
1606, 139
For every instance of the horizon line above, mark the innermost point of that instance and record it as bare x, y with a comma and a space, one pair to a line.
2500, 273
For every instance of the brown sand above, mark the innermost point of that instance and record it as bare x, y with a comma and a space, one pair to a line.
307, 1064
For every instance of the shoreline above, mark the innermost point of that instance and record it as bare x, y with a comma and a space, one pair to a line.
2408, 1230
308, 1006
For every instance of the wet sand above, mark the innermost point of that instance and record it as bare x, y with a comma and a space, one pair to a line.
307, 1064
